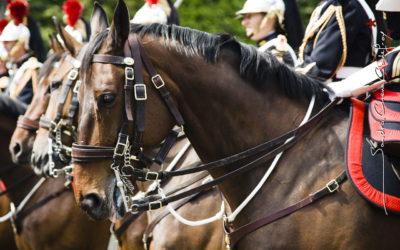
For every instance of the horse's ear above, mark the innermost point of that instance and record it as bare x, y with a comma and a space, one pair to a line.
70, 44
120, 26
98, 20
55, 44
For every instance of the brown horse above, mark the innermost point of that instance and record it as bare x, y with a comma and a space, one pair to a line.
6, 232
233, 98
50, 219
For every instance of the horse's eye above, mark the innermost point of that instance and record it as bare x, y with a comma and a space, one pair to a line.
106, 100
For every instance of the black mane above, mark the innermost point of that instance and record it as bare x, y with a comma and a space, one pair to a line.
256, 67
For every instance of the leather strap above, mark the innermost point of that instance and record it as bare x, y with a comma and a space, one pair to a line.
26, 123
239, 233
44, 122
159, 84
108, 59
20, 216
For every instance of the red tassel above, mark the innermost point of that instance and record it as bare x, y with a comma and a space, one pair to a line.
151, 2
73, 10
18, 10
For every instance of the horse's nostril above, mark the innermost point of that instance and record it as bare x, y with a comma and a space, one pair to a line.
16, 148
91, 201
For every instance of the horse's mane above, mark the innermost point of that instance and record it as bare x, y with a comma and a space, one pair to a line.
255, 67
48, 64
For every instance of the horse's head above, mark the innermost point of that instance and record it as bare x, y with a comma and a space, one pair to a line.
51, 149
22, 140
104, 106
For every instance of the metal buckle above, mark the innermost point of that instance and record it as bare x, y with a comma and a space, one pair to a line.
331, 183
120, 144
149, 176
55, 126
73, 74
155, 203
76, 87
161, 80
129, 61
141, 98
129, 73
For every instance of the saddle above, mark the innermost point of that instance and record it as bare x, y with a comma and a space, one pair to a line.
371, 168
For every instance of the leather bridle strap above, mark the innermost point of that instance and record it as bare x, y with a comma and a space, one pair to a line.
26, 123
153, 203
159, 84
239, 233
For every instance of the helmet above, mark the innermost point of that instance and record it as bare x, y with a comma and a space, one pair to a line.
13, 32
388, 5
153, 11
271, 7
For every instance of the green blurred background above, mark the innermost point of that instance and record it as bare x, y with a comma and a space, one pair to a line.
212, 16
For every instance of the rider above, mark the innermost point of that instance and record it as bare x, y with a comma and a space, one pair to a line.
369, 78
157, 11
265, 23
77, 26
338, 41
22, 65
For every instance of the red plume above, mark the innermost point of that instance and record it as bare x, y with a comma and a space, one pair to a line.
8, 1
18, 10
3, 24
151, 2
73, 10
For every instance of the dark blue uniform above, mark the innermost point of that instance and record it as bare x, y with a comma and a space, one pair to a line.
339, 34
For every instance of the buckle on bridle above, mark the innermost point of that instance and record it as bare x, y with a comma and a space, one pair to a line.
129, 60
332, 186
76, 87
158, 79
119, 145
129, 73
73, 74
151, 176
140, 92
155, 205
55, 126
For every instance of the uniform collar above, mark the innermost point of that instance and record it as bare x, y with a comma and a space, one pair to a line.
271, 35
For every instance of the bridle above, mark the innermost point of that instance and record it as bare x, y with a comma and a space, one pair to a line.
126, 150
63, 126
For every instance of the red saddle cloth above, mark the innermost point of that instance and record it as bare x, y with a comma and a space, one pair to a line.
364, 165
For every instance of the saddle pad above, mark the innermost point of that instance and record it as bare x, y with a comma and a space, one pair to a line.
365, 170
390, 114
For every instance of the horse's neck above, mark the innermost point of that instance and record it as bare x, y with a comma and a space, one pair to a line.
307, 167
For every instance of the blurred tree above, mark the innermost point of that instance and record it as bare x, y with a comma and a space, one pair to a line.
213, 16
